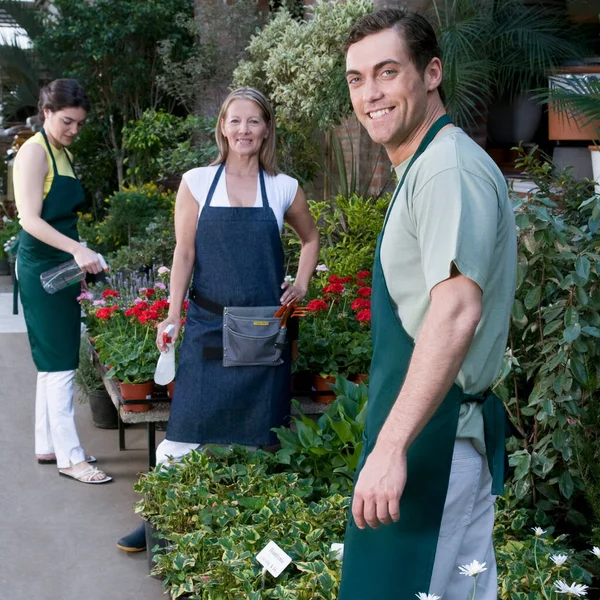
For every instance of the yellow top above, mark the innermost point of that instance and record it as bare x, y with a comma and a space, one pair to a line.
62, 165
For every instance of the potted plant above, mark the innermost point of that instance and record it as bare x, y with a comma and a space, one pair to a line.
334, 337
577, 101
498, 51
91, 389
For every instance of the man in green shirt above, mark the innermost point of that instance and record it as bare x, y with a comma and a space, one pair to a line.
443, 288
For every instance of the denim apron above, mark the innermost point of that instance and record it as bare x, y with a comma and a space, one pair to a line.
239, 262
53, 320
395, 561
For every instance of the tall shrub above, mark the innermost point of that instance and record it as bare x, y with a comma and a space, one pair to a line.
551, 374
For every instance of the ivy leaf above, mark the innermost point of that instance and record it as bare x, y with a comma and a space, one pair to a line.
593, 331
572, 332
571, 316
533, 297
582, 267
565, 484
578, 370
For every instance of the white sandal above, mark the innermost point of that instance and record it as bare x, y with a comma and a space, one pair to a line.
86, 476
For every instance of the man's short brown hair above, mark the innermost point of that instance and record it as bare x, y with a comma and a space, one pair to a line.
415, 30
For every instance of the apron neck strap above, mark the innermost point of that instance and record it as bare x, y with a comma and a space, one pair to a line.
215, 181
50, 152
429, 136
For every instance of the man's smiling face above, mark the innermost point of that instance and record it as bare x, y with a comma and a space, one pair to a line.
388, 94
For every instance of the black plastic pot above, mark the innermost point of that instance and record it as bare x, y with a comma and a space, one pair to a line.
152, 542
104, 413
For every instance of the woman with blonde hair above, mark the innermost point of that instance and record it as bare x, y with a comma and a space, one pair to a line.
228, 222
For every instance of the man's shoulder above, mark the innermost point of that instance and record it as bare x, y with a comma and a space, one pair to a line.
453, 149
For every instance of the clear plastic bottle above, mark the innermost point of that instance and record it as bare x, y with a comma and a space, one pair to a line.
64, 275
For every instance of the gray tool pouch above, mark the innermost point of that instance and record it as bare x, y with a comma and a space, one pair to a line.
252, 336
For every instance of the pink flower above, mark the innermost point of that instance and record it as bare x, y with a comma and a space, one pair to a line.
99, 302
138, 300
163, 270
322, 268
160, 286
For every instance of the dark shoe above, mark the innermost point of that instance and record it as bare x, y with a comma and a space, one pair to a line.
135, 541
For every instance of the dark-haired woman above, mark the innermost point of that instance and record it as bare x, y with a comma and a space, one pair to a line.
48, 196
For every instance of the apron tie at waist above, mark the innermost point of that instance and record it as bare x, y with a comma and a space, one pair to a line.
497, 428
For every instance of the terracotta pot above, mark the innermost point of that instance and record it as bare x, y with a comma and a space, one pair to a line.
324, 394
560, 125
357, 378
136, 391
170, 389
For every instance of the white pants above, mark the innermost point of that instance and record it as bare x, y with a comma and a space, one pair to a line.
55, 431
466, 530
177, 450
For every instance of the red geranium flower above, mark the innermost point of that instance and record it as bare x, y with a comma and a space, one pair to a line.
365, 292
335, 279
160, 304
360, 303
364, 316
348, 279
317, 305
334, 288
104, 313
363, 275
130, 312
186, 304
110, 293
149, 292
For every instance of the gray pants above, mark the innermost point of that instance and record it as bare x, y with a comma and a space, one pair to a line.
466, 530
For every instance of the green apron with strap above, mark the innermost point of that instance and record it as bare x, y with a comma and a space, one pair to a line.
53, 320
395, 561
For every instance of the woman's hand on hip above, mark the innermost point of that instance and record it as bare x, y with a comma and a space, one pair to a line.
161, 342
292, 293
88, 260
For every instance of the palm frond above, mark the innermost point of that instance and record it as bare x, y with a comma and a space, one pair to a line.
579, 97
25, 15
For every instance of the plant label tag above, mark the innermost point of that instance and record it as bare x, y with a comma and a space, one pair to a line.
274, 559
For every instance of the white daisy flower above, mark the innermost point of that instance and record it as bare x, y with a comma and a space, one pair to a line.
559, 559
289, 279
595, 550
539, 532
424, 596
575, 589
473, 569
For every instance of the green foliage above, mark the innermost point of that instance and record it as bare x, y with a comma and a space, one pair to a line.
111, 48
491, 49
577, 97
220, 33
552, 369
329, 448
129, 352
161, 144
218, 509
525, 570
153, 247
20, 83
348, 228
301, 65
129, 212
87, 378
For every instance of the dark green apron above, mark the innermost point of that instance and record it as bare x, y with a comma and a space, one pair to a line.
395, 562
53, 320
